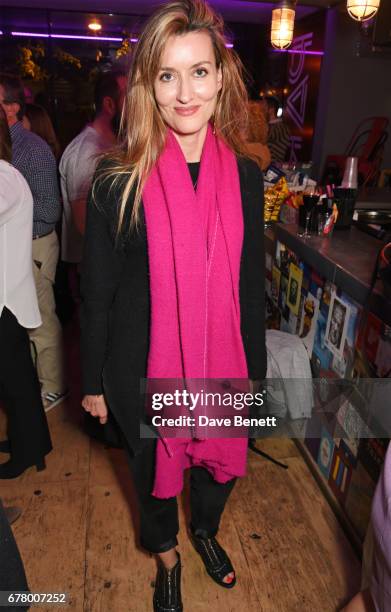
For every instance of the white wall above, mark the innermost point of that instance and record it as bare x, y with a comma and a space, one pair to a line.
351, 88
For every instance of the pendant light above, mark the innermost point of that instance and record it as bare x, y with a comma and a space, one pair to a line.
362, 10
283, 23
95, 26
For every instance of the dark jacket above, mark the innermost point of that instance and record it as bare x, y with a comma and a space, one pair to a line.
115, 292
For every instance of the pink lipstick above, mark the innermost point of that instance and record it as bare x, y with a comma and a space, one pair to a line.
186, 111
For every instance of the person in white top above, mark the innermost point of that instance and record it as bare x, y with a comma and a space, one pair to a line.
17, 287
78, 162
28, 434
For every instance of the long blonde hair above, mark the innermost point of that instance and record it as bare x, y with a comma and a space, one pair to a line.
143, 131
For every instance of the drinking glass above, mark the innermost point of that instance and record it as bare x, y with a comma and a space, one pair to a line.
310, 200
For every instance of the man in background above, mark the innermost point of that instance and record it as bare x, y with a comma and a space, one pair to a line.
34, 159
78, 162
279, 133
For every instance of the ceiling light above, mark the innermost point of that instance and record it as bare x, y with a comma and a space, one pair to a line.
94, 26
362, 10
283, 22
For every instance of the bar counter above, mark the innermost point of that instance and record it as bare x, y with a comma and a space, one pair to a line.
347, 259
305, 279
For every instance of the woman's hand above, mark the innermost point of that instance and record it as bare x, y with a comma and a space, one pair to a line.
96, 406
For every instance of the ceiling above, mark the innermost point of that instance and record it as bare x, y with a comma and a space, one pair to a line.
248, 11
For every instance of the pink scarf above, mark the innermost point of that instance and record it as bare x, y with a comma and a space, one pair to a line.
194, 245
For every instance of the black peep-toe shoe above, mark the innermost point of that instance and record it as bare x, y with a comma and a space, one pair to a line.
216, 560
167, 595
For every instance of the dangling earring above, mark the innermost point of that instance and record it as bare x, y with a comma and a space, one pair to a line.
213, 126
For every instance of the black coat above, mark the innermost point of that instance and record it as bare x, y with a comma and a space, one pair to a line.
115, 292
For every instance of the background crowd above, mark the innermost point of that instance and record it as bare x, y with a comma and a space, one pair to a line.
43, 199
57, 183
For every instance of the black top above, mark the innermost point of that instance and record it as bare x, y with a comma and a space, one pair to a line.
115, 291
194, 168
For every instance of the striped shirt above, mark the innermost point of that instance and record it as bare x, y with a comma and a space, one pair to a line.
34, 159
278, 140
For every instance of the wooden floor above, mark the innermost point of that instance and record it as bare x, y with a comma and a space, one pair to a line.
76, 533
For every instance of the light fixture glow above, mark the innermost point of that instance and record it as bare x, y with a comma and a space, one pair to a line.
95, 26
283, 23
362, 10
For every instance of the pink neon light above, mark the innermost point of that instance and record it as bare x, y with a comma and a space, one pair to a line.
298, 51
34, 34
77, 37
66, 36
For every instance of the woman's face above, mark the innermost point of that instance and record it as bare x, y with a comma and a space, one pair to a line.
188, 82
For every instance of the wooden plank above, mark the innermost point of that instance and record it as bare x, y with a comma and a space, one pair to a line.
301, 561
114, 559
118, 575
69, 459
79, 533
198, 586
278, 448
51, 537
108, 465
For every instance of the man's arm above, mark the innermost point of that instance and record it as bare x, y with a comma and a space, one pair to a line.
44, 185
78, 178
79, 214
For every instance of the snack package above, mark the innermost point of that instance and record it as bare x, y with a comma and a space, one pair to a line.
274, 198
295, 200
273, 174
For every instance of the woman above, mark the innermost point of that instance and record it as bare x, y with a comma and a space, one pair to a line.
28, 435
173, 273
37, 120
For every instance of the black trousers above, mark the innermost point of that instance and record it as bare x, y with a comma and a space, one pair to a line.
159, 517
27, 426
